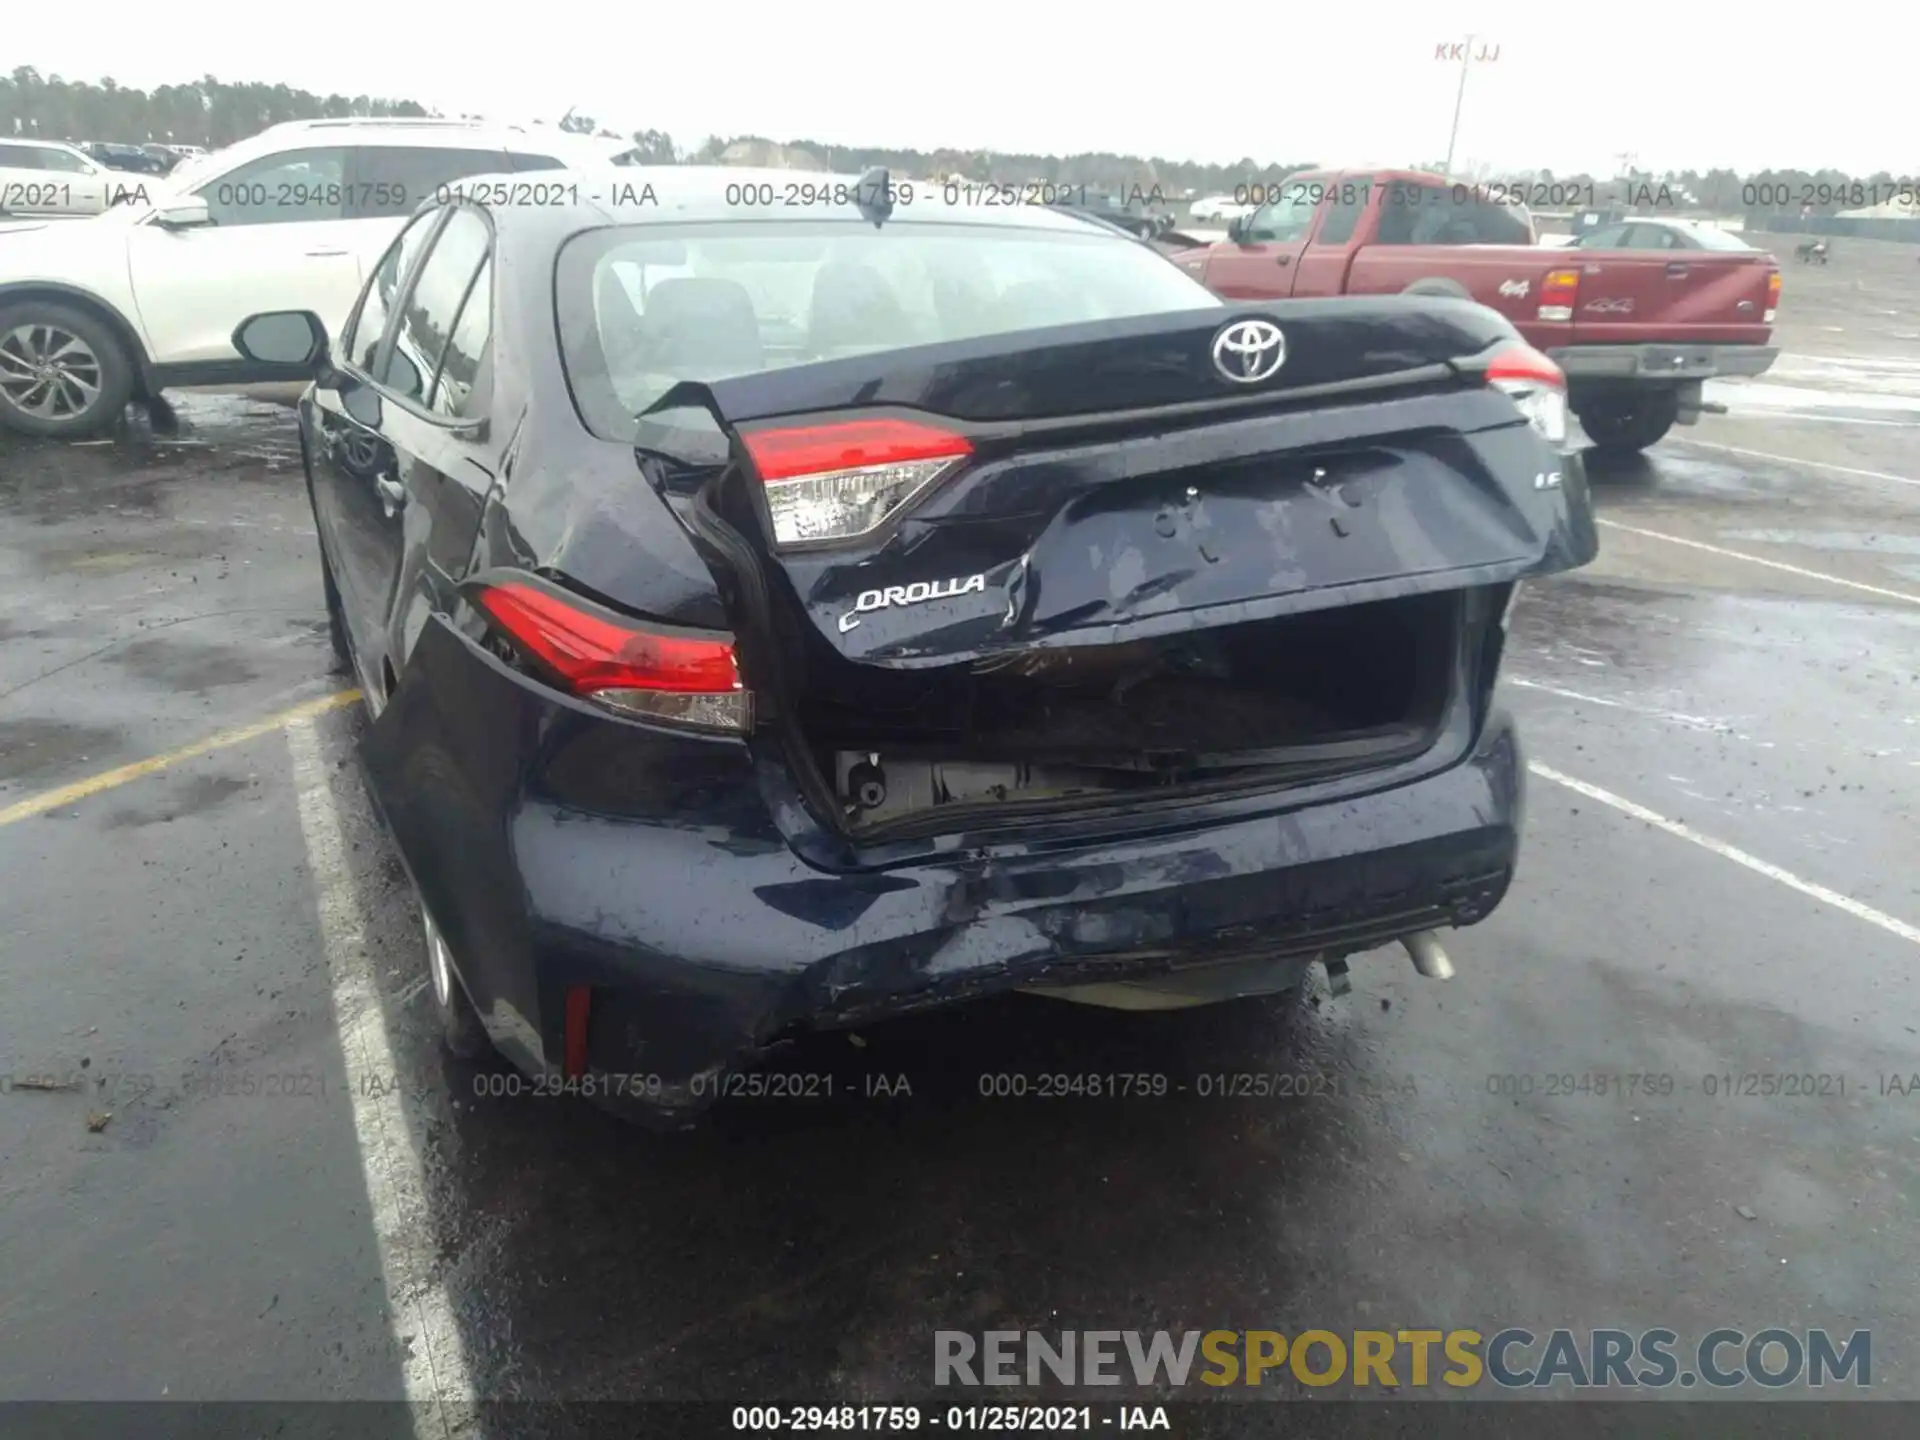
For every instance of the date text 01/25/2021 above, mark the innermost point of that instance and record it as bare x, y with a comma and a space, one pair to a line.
1000, 1419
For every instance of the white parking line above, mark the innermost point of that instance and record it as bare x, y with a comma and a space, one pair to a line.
433, 1358
1787, 878
1692, 722
1811, 464
1906, 595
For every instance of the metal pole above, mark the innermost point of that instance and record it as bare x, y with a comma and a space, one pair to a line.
1466, 59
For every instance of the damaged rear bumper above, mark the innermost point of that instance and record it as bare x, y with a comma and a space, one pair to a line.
669, 890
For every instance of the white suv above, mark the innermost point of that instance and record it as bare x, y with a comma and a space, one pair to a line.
148, 295
47, 177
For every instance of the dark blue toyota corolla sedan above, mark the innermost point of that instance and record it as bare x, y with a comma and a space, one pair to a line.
785, 601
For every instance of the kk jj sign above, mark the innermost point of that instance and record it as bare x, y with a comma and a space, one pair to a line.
1463, 51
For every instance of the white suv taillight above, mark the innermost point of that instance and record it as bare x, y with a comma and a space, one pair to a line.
841, 480
1536, 385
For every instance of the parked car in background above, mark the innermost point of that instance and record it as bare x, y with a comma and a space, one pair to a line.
1132, 216
132, 159
49, 177
147, 296
162, 155
1660, 232
1218, 208
1636, 333
793, 682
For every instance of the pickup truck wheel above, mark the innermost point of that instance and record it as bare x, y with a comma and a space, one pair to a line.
1628, 424
63, 373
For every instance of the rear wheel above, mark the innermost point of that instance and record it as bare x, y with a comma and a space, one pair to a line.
64, 374
460, 1027
1627, 424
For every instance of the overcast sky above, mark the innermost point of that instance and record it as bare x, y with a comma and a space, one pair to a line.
1744, 85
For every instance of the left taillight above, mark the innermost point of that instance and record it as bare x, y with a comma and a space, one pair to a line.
1536, 385
839, 481
680, 679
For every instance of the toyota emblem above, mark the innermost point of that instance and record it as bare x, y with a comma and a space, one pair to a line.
1248, 351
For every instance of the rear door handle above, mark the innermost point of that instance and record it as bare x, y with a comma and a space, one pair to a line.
1676, 270
1283, 259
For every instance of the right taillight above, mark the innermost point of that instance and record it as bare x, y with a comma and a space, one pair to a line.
1536, 385
681, 679
1557, 293
1773, 296
842, 479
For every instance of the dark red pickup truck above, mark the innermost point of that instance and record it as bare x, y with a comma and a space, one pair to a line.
1635, 331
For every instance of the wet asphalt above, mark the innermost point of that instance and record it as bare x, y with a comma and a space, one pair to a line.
162, 950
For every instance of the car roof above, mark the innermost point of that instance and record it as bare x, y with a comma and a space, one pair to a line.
687, 194
415, 132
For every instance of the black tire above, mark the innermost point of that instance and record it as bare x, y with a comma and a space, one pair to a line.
1621, 425
460, 1028
93, 381
336, 621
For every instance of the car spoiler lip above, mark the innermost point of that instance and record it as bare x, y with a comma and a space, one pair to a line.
714, 395
1153, 366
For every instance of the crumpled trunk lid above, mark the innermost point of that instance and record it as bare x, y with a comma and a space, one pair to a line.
1121, 486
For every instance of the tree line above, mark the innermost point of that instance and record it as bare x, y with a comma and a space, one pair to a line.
211, 112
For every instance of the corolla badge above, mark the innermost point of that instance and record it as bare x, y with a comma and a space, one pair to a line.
1248, 351
917, 593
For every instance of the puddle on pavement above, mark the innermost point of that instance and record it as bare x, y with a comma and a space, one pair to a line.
185, 665
35, 746
129, 470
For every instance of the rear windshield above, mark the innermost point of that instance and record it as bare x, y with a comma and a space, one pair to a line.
1713, 238
643, 308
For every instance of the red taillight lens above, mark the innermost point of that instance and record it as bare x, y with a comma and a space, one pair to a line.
1558, 291
1536, 385
1773, 296
838, 481
663, 677
1523, 362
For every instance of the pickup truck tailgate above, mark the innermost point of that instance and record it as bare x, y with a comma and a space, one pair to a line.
1682, 296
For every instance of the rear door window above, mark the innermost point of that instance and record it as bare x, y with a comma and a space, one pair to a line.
396, 179
418, 332
66, 162
360, 345
1413, 213
464, 387
282, 189
1346, 202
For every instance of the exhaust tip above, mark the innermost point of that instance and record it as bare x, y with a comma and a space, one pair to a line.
1428, 956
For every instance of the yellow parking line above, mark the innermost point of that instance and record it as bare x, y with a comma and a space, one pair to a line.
108, 779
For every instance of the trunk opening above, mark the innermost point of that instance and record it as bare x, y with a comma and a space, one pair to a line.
1256, 705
